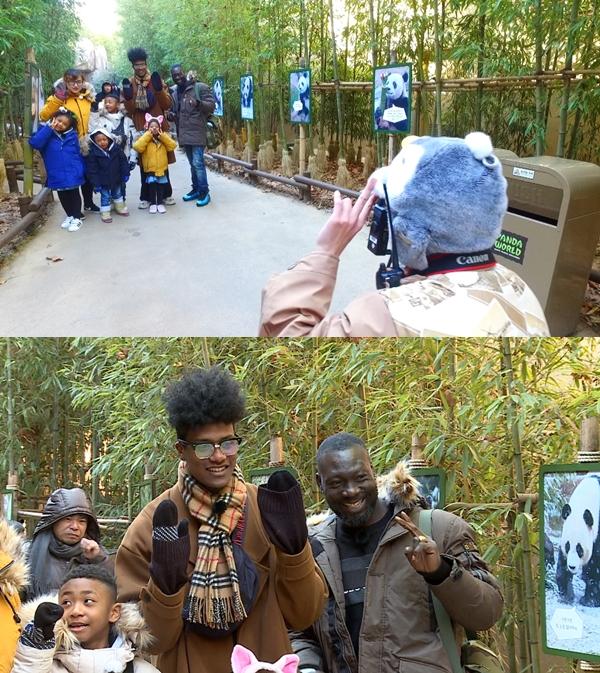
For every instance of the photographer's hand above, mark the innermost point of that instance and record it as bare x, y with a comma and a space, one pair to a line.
346, 220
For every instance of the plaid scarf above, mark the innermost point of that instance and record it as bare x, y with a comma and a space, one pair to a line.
141, 97
214, 599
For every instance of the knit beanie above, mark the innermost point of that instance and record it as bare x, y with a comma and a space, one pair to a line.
446, 195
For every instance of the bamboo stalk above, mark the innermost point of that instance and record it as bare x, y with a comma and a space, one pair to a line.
517, 459
336, 77
564, 108
10, 409
539, 87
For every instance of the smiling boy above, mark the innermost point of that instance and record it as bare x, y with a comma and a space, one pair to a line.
86, 631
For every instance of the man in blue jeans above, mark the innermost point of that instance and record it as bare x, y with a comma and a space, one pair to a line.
195, 103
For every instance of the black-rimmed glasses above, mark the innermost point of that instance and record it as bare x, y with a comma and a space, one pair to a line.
203, 450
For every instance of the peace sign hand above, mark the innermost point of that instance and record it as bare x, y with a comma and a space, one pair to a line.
424, 555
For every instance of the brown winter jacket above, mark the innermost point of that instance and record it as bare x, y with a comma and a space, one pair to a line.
291, 593
398, 631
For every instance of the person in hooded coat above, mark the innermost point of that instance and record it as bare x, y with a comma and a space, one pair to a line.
67, 534
13, 579
107, 169
82, 629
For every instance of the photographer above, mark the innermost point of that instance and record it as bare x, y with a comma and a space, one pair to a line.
445, 199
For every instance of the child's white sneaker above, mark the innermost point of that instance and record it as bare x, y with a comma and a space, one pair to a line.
161, 208
66, 223
153, 209
75, 225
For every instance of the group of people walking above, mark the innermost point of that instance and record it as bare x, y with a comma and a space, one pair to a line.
90, 143
215, 563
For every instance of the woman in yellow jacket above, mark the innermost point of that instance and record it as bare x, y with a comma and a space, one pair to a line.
13, 578
152, 148
75, 94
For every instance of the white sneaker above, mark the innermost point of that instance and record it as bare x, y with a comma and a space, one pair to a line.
143, 205
169, 201
75, 224
66, 223
161, 208
153, 209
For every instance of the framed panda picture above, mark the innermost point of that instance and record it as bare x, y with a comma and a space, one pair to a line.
300, 97
247, 96
570, 560
432, 485
217, 89
392, 98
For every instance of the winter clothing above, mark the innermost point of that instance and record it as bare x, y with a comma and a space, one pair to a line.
282, 509
106, 168
119, 125
62, 157
398, 630
446, 195
170, 548
13, 579
281, 579
50, 559
63, 654
195, 155
160, 102
196, 103
494, 301
153, 152
80, 105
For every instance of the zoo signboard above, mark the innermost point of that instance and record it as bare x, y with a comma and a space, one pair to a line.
392, 96
300, 96
570, 560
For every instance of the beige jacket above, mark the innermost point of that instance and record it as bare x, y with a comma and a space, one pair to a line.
493, 302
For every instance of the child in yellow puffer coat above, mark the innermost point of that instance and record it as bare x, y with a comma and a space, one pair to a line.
152, 148
13, 578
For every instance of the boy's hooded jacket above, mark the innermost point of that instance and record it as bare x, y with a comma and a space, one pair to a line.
131, 639
80, 105
62, 157
399, 630
109, 167
119, 124
13, 578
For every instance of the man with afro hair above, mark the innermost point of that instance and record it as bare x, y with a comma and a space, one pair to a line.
147, 93
214, 560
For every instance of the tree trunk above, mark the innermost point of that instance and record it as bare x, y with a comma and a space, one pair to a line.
540, 131
564, 108
336, 79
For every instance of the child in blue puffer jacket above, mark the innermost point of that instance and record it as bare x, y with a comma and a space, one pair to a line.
58, 144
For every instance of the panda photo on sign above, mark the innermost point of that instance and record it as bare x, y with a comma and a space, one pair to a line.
579, 549
247, 96
392, 98
300, 85
218, 96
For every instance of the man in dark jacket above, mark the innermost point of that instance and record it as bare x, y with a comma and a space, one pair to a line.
381, 571
66, 535
195, 102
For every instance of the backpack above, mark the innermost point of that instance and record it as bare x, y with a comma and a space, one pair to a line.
474, 657
214, 135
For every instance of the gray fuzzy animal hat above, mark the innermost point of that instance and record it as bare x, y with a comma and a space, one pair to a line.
446, 195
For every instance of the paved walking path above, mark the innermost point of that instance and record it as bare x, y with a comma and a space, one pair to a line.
191, 271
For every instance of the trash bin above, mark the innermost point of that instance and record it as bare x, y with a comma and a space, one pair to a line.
551, 230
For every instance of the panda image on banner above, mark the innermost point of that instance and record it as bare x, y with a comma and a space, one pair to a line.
396, 96
304, 96
247, 93
218, 94
579, 549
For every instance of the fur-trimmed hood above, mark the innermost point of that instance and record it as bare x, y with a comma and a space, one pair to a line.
14, 573
131, 626
397, 487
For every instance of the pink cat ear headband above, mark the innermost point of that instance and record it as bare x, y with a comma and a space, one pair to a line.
244, 661
149, 118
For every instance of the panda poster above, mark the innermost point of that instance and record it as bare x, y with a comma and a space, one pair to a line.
247, 96
570, 560
392, 94
217, 88
432, 485
300, 97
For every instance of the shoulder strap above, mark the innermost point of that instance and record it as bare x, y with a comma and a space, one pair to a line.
442, 618
198, 91
130, 668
